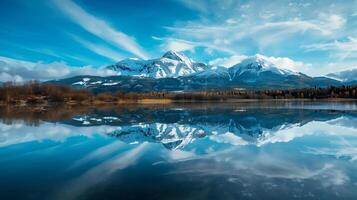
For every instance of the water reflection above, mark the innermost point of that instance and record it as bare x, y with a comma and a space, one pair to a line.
303, 150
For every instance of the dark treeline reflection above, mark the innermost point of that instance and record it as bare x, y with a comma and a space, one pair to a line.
34, 115
127, 114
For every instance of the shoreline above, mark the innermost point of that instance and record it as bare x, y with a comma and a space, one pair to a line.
171, 101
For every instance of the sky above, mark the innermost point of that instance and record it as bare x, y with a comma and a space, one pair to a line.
50, 39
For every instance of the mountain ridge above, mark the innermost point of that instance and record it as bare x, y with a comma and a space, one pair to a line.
176, 72
171, 65
137, 67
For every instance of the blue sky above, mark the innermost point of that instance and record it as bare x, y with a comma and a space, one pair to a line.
56, 38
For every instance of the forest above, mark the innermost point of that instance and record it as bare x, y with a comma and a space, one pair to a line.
37, 93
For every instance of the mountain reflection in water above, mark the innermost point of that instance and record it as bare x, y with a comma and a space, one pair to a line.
271, 150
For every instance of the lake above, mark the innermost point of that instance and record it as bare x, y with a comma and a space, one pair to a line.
257, 150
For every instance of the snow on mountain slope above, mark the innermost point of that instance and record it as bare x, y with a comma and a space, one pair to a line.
257, 65
178, 136
171, 65
213, 71
175, 72
255, 69
249, 69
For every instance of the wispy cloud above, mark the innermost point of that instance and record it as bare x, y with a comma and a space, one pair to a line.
287, 63
339, 66
278, 28
98, 49
342, 49
199, 5
175, 44
208, 7
100, 27
228, 36
228, 61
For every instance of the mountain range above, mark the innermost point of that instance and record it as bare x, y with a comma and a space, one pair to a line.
170, 65
176, 72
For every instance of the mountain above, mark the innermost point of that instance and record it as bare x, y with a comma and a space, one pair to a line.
256, 66
345, 76
176, 72
171, 65
254, 73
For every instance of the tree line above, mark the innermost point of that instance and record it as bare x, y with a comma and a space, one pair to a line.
35, 92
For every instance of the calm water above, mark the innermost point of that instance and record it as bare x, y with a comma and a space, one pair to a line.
206, 151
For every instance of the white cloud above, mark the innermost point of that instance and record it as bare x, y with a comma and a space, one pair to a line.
335, 22
228, 61
287, 63
177, 45
99, 27
20, 70
229, 35
252, 27
325, 26
199, 5
6, 77
231, 21
276, 32
346, 70
184, 45
209, 7
341, 49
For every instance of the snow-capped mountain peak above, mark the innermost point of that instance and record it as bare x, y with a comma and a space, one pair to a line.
256, 72
175, 64
171, 65
173, 55
256, 65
